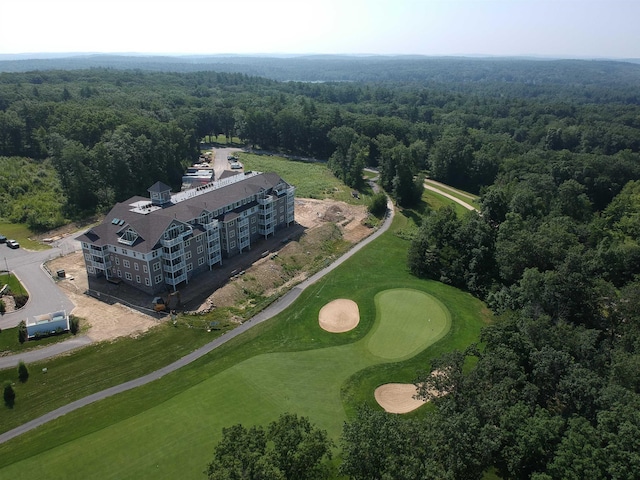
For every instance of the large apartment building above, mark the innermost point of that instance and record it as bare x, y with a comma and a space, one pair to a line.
154, 244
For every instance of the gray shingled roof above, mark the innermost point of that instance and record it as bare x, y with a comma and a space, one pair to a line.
151, 226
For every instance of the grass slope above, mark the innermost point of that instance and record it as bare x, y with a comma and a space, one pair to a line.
168, 428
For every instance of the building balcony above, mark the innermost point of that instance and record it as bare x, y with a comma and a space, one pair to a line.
173, 255
179, 239
266, 200
174, 268
214, 225
175, 280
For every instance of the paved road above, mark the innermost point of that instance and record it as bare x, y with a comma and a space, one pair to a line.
44, 295
269, 312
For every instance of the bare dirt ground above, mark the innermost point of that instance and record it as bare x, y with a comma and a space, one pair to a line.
339, 316
321, 220
277, 267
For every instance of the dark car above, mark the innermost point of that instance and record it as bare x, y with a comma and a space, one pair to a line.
3, 239
13, 244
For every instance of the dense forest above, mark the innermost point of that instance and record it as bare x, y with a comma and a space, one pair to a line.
553, 148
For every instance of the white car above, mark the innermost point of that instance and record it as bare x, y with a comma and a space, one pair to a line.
13, 244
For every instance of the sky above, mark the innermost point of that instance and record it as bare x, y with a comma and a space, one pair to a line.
555, 28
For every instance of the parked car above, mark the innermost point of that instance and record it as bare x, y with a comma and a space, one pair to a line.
13, 244
3, 239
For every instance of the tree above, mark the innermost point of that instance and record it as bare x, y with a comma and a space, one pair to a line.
23, 372
378, 445
22, 332
299, 448
9, 394
291, 448
3, 307
378, 204
240, 455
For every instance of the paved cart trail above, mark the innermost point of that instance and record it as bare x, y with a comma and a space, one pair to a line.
429, 186
266, 314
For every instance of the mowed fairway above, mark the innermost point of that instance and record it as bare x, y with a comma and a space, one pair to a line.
173, 439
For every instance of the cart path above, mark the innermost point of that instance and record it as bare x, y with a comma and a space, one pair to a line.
449, 196
273, 309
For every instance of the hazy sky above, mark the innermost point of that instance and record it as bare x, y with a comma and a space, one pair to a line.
561, 28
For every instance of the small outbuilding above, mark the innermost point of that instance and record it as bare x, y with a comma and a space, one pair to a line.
48, 324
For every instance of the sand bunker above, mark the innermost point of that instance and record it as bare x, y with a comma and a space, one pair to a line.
339, 316
398, 397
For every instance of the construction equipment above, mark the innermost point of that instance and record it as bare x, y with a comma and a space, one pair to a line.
169, 302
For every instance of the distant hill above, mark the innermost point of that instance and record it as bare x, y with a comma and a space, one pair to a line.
344, 68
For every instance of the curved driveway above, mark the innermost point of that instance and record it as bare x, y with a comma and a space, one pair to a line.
44, 295
269, 312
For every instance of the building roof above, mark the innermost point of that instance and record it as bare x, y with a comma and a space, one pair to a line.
150, 223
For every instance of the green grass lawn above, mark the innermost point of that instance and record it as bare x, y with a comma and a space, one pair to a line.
168, 429
312, 180
9, 343
13, 282
20, 233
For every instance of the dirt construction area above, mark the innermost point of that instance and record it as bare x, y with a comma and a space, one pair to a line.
271, 267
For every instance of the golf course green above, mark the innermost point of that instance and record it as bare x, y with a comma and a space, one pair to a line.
174, 439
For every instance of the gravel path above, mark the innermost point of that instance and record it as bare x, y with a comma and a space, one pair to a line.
269, 312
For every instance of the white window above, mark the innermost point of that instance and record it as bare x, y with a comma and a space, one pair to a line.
253, 219
87, 256
187, 243
85, 245
91, 270
147, 282
232, 245
158, 278
117, 260
232, 233
135, 266
189, 267
253, 229
200, 249
200, 260
119, 273
145, 269
281, 209
126, 264
138, 278
281, 218
187, 256
128, 275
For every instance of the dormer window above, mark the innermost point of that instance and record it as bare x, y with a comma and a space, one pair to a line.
128, 237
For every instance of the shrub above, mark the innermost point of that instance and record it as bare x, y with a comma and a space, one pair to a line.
9, 394
21, 300
22, 332
3, 307
23, 372
74, 324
